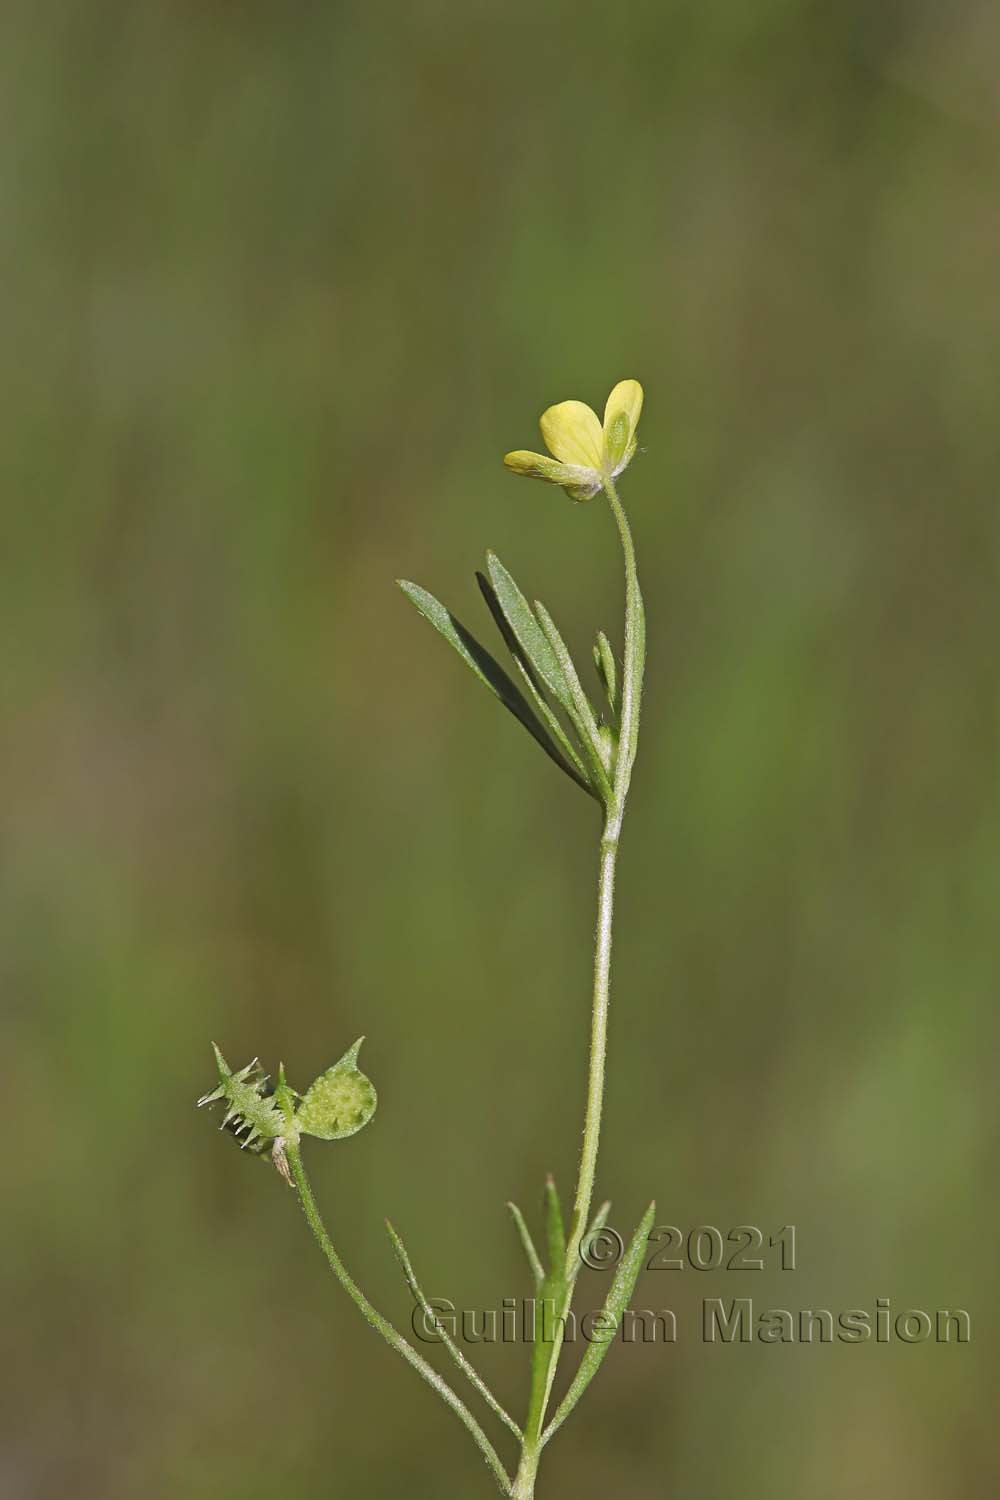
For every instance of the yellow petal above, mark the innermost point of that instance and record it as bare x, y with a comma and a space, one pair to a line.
573, 433
625, 399
538, 466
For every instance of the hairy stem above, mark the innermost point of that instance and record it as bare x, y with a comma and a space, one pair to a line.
383, 1326
632, 669
524, 1483
598, 1049
467, 1369
634, 660
633, 663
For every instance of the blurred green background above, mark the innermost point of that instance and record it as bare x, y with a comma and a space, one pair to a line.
281, 283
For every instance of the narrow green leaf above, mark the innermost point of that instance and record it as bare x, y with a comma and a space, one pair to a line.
582, 713
607, 670
597, 1223
633, 655
467, 1369
554, 1229
488, 670
533, 686
640, 650
527, 1244
634, 669
529, 635
550, 1305
615, 1304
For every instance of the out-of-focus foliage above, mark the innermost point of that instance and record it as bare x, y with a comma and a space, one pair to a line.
280, 285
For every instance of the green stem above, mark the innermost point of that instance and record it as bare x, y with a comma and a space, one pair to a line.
544, 1368
632, 670
634, 658
633, 663
524, 1483
598, 1049
467, 1369
383, 1326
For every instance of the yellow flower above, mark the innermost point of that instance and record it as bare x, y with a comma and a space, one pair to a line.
584, 453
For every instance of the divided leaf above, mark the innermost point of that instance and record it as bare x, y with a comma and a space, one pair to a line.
549, 1303
583, 714
486, 668
615, 1305
535, 689
535, 649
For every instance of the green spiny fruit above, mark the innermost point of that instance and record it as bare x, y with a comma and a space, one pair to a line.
337, 1104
